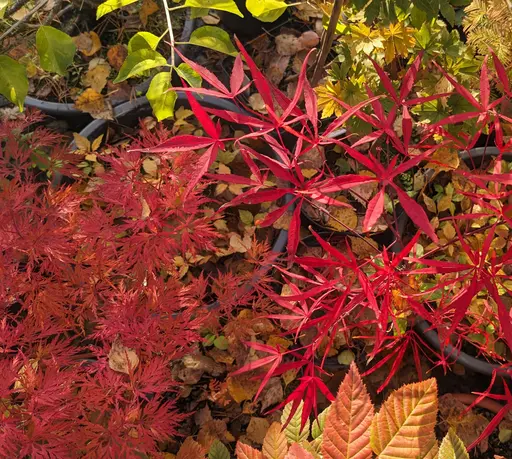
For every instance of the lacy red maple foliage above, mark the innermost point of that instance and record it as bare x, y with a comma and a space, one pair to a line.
84, 265
340, 292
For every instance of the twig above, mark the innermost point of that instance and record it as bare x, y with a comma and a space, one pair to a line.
171, 33
52, 14
15, 7
327, 39
24, 19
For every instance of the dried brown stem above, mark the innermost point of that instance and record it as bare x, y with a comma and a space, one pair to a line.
327, 39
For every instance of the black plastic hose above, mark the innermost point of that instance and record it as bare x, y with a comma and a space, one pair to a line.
65, 110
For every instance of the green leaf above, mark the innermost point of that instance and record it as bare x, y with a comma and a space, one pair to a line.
111, 5
292, 431
55, 48
318, 424
160, 98
189, 75
214, 38
13, 81
246, 217
431, 7
221, 343
138, 62
218, 451
222, 5
452, 447
423, 36
447, 11
143, 40
266, 10
198, 12
372, 10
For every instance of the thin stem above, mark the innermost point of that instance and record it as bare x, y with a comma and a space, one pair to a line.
171, 33
24, 19
327, 39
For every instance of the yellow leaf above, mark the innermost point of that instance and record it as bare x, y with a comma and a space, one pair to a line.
97, 74
223, 169
191, 449
122, 358
220, 188
346, 432
242, 387
444, 159
342, 219
308, 173
449, 231
409, 412
275, 445
429, 203
398, 39
289, 376
452, 447
96, 143
90, 101
82, 143
444, 203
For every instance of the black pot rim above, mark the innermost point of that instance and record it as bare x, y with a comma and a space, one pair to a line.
422, 327
66, 110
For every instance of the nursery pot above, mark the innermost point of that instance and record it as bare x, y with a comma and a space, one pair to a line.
473, 158
68, 111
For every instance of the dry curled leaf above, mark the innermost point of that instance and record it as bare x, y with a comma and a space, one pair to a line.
97, 74
90, 101
256, 103
444, 159
116, 56
122, 358
276, 68
88, 43
148, 8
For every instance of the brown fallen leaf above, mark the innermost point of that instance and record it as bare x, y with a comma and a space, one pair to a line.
97, 74
257, 429
120, 92
272, 394
276, 68
256, 103
309, 39
92, 102
88, 43
242, 387
122, 358
287, 45
116, 56
148, 8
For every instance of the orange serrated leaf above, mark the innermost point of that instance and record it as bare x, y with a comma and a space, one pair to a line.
347, 427
297, 452
275, 445
404, 426
244, 451
190, 448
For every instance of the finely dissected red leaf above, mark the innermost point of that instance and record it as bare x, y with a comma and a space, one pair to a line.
237, 75
244, 451
297, 452
346, 433
404, 425
485, 88
275, 445
502, 73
